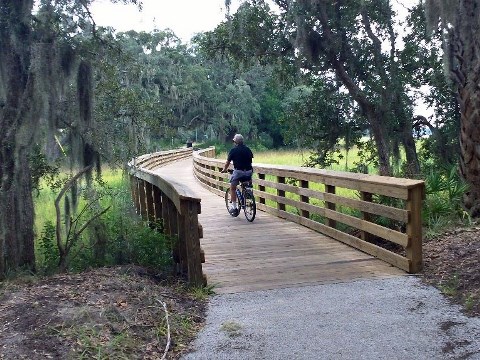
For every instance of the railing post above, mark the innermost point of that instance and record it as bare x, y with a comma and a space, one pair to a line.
281, 193
261, 188
142, 198
305, 199
331, 206
150, 206
414, 229
134, 189
173, 232
157, 201
189, 235
365, 196
214, 177
166, 215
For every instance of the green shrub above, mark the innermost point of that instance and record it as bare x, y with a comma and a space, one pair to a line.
444, 190
48, 261
125, 237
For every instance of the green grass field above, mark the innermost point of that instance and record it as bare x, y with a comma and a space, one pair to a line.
45, 201
299, 158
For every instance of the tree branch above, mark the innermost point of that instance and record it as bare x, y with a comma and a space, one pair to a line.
82, 229
65, 188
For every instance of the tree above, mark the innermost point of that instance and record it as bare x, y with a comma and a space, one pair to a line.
422, 63
41, 55
460, 22
316, 117
353, 40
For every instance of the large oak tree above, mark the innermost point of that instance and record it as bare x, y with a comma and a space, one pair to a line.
39, 59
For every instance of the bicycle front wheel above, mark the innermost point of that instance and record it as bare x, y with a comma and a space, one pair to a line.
228, 203
250, 209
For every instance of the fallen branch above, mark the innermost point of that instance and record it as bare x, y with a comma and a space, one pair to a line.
167, 347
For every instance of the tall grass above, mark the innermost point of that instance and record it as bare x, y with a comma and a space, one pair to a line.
127, 238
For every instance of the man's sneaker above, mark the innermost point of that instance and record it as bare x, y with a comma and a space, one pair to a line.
233, 211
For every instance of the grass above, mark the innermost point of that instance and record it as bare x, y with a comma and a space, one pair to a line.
300, 157
280, 157
44, 202
124, 236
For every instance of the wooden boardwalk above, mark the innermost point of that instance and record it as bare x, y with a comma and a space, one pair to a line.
270, 252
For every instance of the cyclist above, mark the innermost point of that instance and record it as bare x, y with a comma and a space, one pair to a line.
242, 156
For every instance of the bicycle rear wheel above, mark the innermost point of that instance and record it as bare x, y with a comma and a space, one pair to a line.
250, 208
227, 204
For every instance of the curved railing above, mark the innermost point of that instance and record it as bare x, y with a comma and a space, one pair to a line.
171, 207
317, 199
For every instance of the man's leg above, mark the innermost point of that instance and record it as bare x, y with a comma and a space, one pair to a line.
233, 195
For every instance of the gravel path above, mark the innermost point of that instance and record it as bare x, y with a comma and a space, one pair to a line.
396, 318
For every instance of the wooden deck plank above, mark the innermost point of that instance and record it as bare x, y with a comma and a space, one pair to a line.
270, 252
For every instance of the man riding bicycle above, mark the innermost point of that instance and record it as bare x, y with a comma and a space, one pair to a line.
242, 156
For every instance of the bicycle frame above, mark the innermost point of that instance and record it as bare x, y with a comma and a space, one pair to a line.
245, 200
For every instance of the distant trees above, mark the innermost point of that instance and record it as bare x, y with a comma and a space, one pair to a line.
352, 43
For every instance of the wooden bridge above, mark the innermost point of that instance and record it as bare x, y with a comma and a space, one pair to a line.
273, 252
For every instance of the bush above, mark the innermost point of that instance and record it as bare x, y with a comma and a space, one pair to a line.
127, 239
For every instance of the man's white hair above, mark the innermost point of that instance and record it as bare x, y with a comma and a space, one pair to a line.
238, 138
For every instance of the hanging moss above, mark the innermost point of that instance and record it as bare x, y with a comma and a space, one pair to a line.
88, 159
67, 58
74, 194
85, 93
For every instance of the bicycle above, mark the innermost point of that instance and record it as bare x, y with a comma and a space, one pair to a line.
245, 198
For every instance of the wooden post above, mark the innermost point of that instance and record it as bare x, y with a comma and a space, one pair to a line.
365, 196
133, 182
414, 229
281, 180
188, 226
166, 215
305, 199
142, 197
134, 185
157, 201
150, 206
214, 177
331, 206
261, 188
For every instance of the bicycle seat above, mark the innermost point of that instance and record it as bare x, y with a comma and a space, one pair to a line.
246, 181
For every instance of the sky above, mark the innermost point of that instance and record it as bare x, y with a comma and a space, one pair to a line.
184, 17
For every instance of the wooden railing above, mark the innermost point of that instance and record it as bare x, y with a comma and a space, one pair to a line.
171, 207
317, 199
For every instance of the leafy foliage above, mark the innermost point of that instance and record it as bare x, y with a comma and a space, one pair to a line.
444, 191
50, 255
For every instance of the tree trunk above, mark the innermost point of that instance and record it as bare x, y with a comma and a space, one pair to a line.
470, 145
16, 202
380, 139
413, 165
467, 78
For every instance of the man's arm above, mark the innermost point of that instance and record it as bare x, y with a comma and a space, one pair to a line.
225, 167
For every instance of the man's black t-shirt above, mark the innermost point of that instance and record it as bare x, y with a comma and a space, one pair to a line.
241, 156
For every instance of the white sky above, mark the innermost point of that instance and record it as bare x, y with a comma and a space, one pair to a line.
184, 17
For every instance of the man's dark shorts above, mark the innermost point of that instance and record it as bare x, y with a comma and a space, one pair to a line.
237, 174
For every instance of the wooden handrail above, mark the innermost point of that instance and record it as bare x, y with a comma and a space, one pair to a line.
311, 198
160, 199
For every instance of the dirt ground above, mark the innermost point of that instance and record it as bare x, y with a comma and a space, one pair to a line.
121, 312
107, 313
452, 264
